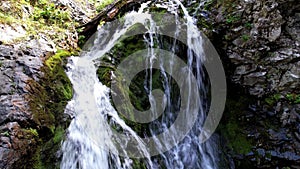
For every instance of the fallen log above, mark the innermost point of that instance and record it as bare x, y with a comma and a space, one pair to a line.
117, 8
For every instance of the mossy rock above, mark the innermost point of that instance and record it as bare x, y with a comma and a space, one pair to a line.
232, 128
51, 94
48, 100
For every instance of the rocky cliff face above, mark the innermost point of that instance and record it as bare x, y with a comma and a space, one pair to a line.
19, 131
260, 48
36, 37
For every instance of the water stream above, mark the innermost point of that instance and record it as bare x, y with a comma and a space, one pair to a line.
91, 143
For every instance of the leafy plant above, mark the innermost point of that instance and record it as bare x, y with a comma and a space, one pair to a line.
293, 98
245, 38
273, 99
6, 133
51, 14
248, 25
34, 132
5, 18
103, 4
232, 19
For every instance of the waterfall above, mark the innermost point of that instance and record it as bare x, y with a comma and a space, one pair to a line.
92, 141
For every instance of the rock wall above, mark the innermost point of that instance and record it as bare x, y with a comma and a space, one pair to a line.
260, 48
18, 131
36, 37
30, 114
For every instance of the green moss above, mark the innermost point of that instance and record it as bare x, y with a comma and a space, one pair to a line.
292, 98
45, 157
269, 101
232, 128
286, 168
138, 164
237, 140
273, 99
47, 103
104, 75
49, 96
58, 136
37, 161
56, 59
208, 5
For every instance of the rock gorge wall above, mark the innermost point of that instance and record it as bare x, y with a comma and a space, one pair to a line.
35, 39
260, 48
257, 40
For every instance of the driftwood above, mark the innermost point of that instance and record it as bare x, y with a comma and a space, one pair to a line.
118, 7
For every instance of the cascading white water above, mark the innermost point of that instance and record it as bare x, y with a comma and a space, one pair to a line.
90, 142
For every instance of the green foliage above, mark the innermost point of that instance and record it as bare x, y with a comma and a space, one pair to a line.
271, 54
46, 18
49, 148
138, 164
273, 99
104, 75
293, 98
248, 25
6, 19
103, 4
81, 40
62, 87
270, 101
245, 38
30, 133
50, 13
286, 168
232, 19
34, 132
208, 5
5, 133
37, 162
